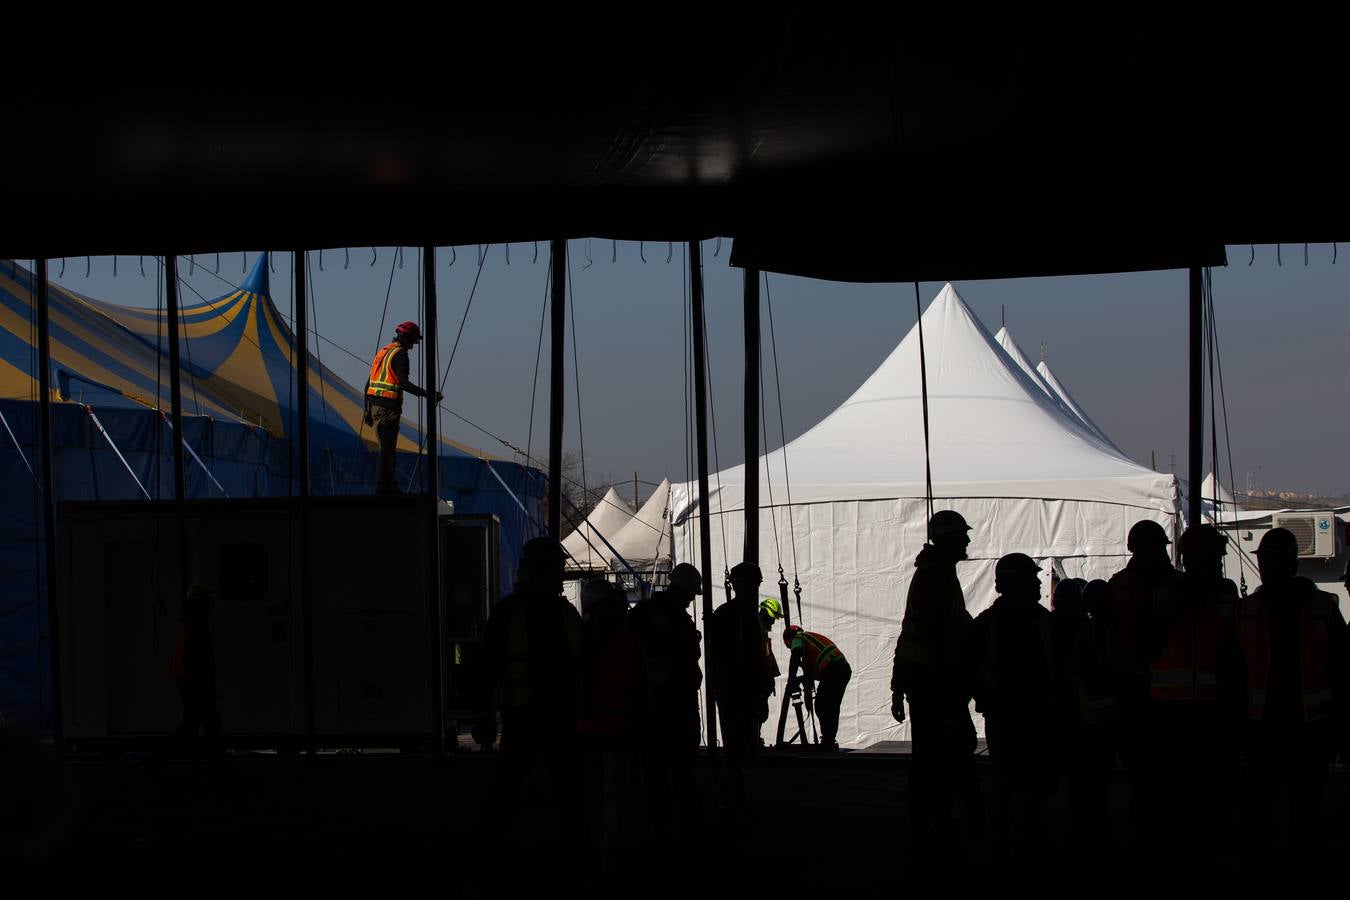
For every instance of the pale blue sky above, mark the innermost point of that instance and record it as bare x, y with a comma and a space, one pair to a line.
1118, 343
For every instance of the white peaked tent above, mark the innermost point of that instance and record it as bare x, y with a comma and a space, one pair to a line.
1043, 369
1009, 458
1209, 486
1228, 510
1005, 340
645, 541
1055, 393
608, 519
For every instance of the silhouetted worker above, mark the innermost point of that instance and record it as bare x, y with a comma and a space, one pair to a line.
1136, 592
928, 671
670, 656
1195, 686
1068, 613
1294, 638
1011, 663
192, 665
1095, 682
533, 654
770, 611
612, 713
739, 680
827, 674
389, 379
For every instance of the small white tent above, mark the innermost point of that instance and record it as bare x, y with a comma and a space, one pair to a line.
584, 546
1006, 455
1211, 491
644, 543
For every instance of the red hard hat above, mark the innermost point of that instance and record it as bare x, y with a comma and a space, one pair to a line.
789, 633
409, 329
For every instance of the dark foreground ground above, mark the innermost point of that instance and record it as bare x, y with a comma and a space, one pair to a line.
412, 826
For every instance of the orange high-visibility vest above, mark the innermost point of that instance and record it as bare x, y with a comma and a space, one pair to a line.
1314, 649
178, 654
383, 380
1188, 667
819, 650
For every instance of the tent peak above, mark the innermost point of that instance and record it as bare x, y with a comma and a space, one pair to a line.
257, 281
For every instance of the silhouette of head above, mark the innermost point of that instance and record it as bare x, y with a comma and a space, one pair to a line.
949, 533
1277, 556
686, 582
1202, 550
541, 566
1068, 599
746, 579
1148, 541
1017, 575
1097, 600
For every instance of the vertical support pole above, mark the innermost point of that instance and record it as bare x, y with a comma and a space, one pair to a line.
298, 261
180, 479
433, 443
556, 389
752, 375
49, 499
176, 420
1197, 397
701, 438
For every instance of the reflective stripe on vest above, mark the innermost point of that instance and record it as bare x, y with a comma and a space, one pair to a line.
1189, 665
383, 380
820, 651
1314, 651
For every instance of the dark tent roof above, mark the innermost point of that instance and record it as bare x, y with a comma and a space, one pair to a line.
852, 151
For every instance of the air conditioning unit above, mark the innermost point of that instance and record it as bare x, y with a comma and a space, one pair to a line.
1319, 532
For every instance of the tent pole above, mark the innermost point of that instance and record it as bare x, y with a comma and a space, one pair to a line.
299, 258
556, 388
1197, 397
704, 504
433, 443
49, 499
172, 304
752, 375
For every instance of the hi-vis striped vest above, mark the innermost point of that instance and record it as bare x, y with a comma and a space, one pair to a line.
1188, 667
819, 651
383, 382
1316, 619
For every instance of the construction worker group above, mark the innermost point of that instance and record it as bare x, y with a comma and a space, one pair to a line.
1210, 700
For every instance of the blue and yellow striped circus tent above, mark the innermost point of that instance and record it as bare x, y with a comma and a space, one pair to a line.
237, 352
111, 441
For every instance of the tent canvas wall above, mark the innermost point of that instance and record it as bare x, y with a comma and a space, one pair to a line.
1004, 454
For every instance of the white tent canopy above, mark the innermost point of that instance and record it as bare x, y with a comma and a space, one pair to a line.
1211, 491
1060, 391
645, 541
1005, 340
584, 546
1026, 475
1043, 378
